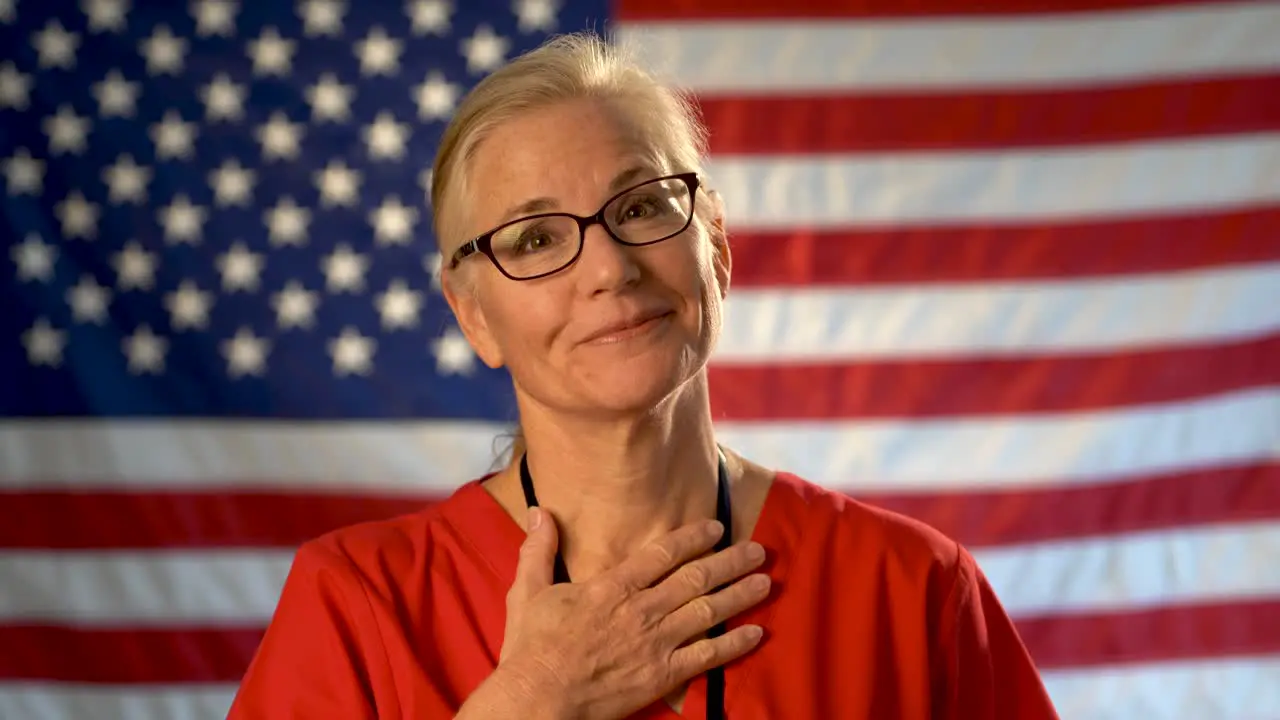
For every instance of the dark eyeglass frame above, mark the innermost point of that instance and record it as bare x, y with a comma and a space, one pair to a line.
484, 243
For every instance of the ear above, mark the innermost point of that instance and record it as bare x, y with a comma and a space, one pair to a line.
722, 259
465, 303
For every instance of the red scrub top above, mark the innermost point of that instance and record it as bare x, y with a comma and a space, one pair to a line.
872, 615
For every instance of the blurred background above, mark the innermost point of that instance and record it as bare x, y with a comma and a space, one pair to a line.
1010, 268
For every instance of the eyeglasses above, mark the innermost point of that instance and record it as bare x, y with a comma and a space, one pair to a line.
539, 245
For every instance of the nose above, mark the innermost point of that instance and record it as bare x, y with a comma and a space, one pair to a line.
605, 265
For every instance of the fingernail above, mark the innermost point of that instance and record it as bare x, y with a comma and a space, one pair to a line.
535, 518
754, 632
760, 583
755, 552
714, 528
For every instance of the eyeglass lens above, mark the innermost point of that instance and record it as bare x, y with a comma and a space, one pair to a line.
646, 214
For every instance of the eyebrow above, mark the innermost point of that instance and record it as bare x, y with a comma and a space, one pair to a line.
547, 204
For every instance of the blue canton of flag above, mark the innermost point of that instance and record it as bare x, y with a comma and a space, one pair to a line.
219, 209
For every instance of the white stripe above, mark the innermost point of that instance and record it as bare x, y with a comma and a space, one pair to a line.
69, 701
1246, 688
1136, 571
432, 458
1000, 318
779, 57
1236, 689
214, 587
998, 186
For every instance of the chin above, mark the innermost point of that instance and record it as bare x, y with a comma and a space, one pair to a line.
636, 386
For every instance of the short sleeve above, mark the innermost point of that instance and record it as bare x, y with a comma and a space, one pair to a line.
988, 672
320, 656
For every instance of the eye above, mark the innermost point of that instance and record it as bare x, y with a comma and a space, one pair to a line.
640, 208
533, 240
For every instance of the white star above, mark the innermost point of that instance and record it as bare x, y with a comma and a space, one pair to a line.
78, 216
536, 14
89, 301
164, 51
352, 353
436, 97
484, 50
126, 181
23, 174
34, 258
344, 270
295, 306
240, 268
454, 355
8, 11
55, 46
183, 222
429, 16
44, 343
135, 267
279, 137
173, 137
189, 306
223, 99
330, 99
105, 15
399, 306
116, 96
214, 17
386, 138
433, 263
246, 353
287, 223
15, 88
145, 351
321, 17
378, 53
338, 184
232, 184
271, 54
393, 222
68, 132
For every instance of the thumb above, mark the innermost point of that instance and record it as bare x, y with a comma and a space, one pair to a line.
535, 570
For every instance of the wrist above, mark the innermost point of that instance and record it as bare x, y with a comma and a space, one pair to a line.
532, 692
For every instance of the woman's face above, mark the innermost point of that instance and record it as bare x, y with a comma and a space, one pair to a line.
623, 327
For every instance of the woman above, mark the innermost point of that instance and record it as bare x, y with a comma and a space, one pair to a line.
587, 254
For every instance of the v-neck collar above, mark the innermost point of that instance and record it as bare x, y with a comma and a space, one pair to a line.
481, 521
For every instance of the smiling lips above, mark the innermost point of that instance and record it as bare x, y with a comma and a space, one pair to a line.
628, 327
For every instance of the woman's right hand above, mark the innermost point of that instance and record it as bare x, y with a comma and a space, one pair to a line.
611, 645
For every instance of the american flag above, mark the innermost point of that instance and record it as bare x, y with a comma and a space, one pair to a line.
1012, 268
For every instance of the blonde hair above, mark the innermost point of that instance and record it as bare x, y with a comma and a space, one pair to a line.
576, 66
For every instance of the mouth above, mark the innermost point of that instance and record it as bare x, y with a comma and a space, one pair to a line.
629, 328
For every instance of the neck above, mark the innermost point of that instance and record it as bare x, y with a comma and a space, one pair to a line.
614, 486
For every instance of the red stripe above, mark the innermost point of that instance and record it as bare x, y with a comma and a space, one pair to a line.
670, 10
1192, 632
193, 520
916, 389
126, 655
66, 520
887, 255
982, 119
206, 655
989, 518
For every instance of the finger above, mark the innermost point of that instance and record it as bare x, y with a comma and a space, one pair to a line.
535, 569
663, 555
698, 657
700, 613
703, 576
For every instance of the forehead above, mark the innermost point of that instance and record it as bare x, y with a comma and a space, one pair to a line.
567, 154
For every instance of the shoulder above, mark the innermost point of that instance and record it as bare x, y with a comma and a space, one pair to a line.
381, 553
844, 531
